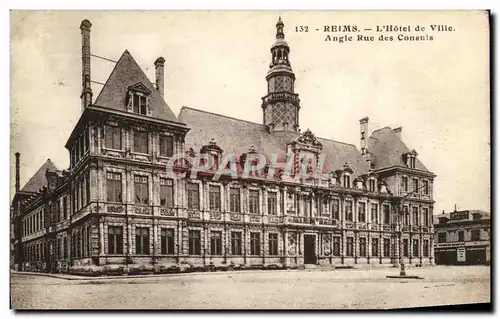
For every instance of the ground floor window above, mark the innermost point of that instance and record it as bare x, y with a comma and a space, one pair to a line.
167, 241
336, 246
362, 247
216, 243
255, 244
387, 247
115, 240
235, 243
426, 248
415, 248
273, 244
194, 242
142, 241
349, 246
405, 247
374, 247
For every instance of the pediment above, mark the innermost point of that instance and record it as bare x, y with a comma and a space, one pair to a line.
139, 87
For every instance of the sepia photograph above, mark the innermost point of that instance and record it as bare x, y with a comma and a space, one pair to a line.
248, 160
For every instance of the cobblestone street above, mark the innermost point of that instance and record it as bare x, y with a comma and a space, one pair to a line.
336, 289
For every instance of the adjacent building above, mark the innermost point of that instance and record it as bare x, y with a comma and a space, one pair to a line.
122, 201
462, 238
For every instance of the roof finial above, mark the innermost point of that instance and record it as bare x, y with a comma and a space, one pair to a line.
279, 29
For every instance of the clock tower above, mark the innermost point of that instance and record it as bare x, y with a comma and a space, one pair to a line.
281, 104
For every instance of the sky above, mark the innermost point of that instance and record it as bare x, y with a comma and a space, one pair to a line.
438, 91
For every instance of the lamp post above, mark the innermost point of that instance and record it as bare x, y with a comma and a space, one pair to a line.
399, 210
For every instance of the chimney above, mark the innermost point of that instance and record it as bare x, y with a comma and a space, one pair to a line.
86, 96
398, 131
160, 79
363, 124
17, 172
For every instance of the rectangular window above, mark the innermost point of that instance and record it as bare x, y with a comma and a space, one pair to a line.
362, 212
216, 243
113, 137
194, 242
474, 235
167, 241
255, 244
405, 247
273, 244
166, 192
415, 184
193, 195
349, 246
282, 202
335, 209
387, 214
348, 211
254, 202
235, 243
234, 200
371, 185
166, 145
141, 189
425, 212
64, 248
405, 183
426, 187
57, 211
142, 241
89, 240
139, 104
114, 187
415, 216
374, 213
441, 237
362, 247
87, 188
406, 213
272, 203
426, 248
415, 248
347, 181
141, 143
214, 197
336, 246
115, 240
375, 247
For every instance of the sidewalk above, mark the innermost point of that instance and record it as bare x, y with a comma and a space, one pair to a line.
89, 278
362, 268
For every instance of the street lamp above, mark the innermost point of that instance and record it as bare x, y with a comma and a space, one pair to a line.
399, 210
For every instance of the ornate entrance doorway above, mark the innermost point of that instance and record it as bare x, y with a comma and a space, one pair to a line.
309, 249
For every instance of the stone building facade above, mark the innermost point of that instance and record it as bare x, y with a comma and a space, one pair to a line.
140, 190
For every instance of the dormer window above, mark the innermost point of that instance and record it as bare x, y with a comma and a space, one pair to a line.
347, 181
412, 162
410, 158
138, 99
371, 185
139, 104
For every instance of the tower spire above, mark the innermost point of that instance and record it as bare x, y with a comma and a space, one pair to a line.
281, 104
279, 29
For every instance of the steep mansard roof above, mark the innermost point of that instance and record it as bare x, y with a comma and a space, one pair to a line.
237, 136
388, 149
127, 73
38, 180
